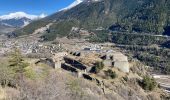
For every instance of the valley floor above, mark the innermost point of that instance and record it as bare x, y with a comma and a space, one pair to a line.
43, 82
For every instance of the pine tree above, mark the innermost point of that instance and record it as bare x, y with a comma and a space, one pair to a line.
17, 62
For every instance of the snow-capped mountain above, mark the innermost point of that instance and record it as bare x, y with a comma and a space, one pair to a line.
19, 19
77, 2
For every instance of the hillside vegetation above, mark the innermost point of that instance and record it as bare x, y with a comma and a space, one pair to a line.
151, 17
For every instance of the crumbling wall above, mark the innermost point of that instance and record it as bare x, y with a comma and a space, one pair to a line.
47, 61
75, 63
107, 63
122, 65
118, 60
68, 68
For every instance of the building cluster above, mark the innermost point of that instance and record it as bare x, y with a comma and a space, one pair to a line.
28, 47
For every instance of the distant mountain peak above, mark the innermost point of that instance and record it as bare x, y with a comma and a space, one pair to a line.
77, 2
19, 15
19, 19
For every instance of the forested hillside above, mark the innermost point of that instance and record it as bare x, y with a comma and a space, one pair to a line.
141, 16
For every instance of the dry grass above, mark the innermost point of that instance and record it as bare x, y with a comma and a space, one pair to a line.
2, 94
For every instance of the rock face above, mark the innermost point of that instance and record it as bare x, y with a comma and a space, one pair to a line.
42, 29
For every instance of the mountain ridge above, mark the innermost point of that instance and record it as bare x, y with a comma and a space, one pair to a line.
139, 16
19, 19
18, 15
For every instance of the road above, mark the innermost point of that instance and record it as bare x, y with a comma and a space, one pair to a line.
164, 81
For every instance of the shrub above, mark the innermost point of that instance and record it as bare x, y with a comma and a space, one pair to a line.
98, 67
30, 73
109, 73
6, 75
148, 83
17, 62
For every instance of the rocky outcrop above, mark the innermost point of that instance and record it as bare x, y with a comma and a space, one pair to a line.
42, 29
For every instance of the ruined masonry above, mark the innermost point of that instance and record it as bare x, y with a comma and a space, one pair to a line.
117, 60
110, 59
58, 59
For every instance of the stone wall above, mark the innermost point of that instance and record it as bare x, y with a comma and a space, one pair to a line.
118, 60
75, 63
108, 63
122, 65
47, 61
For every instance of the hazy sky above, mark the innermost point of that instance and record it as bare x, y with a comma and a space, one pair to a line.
33, 6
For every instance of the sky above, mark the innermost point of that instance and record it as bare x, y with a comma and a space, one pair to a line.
35, 7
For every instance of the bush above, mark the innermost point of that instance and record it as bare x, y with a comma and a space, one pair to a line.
109, 73
17, 62
98, 67
30, 73
6, 75
148, 83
